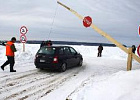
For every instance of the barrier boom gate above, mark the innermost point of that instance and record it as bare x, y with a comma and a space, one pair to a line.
103, 33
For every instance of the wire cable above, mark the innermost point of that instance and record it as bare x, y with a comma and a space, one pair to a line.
52, 22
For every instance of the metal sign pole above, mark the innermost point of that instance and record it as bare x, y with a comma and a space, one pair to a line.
23, 47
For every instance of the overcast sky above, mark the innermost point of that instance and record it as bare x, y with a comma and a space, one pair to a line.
118, 18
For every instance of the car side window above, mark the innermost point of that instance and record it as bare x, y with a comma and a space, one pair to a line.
67, 51
73, 51
61, 51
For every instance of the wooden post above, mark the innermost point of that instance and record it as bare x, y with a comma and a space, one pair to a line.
129, 60
23, 47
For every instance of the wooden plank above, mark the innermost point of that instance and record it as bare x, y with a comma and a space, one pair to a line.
102, 33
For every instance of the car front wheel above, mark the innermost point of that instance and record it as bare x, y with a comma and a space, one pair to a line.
80, 62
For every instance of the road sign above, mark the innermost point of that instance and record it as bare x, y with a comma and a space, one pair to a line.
87, 21
139, 30
23, 30
23, 38
138, 50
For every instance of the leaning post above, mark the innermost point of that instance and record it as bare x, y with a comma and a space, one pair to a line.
129, 60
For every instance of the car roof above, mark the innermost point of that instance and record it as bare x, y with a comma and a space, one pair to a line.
57, 46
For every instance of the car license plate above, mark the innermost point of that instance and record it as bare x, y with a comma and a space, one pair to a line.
42, 60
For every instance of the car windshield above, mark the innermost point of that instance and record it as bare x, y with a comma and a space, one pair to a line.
47, 50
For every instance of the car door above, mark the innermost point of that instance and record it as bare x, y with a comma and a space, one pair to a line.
62, 56
69, 57
75, 57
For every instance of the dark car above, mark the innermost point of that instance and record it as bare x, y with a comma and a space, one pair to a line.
57, 57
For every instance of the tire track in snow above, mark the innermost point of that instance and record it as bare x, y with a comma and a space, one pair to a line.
51, 87
42, 88
9, 86
15, 76
83, 84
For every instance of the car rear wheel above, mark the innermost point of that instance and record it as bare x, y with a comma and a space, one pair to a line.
63, 67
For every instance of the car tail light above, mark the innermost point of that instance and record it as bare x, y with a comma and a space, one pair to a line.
36, 56
55, 59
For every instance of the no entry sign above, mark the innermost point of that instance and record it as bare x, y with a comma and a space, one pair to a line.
23, 30
23, 39
87, 21
138, 50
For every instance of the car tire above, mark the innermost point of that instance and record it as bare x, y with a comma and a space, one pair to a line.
80, 62
63, 67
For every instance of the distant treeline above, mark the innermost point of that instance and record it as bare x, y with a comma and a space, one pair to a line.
69, 43
73, 43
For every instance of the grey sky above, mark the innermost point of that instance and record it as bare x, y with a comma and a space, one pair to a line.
118, 18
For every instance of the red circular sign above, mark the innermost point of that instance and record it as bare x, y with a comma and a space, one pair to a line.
138, 50
87, 21
139, 30
23, 30
23, 38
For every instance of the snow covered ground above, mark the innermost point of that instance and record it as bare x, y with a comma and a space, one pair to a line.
102, 78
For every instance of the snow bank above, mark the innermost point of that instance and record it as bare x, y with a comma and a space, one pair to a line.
119, 86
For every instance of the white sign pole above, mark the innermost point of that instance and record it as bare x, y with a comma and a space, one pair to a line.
23, 47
